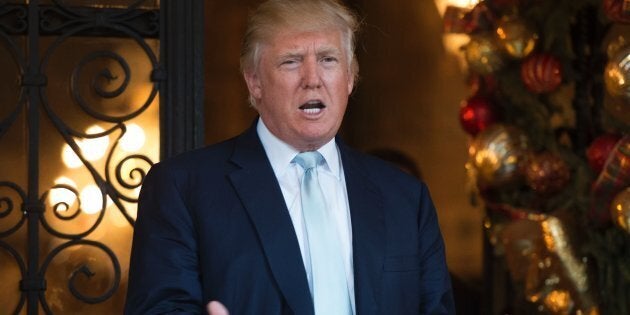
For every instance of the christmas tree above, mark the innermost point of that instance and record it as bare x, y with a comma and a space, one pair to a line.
549, 122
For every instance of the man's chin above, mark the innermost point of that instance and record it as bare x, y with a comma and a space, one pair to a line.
312, 142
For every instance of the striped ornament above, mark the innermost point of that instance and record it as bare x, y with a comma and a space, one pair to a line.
617, 10
541, 73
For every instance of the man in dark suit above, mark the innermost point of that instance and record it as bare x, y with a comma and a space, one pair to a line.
249, 226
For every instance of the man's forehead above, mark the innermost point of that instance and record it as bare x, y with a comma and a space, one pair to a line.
319, 40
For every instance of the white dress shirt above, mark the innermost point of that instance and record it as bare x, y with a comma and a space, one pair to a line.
333, 184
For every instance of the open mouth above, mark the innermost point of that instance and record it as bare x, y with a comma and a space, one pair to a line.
312, 107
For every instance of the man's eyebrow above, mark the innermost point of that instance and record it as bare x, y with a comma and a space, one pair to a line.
328, 51
292, 54
323, 51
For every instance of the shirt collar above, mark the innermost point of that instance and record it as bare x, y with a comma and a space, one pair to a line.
281, 154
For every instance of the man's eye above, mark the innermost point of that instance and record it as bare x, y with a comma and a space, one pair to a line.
289, 62
329, 59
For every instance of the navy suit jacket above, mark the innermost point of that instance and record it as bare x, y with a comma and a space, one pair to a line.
213, 225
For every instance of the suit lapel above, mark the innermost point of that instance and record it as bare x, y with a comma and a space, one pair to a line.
260, 193
368, 233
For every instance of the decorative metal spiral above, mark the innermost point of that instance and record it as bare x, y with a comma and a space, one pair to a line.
7, 206
53, 19
136, 175
19, 14
85, 270
62, 209
150, 19
104, 73
79, 235
22, 266
62, 21
61, 4
61, 17
67, 133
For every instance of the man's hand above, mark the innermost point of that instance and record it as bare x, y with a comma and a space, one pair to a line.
216, 308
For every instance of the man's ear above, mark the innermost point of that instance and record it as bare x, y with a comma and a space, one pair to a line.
350, 84
253, 84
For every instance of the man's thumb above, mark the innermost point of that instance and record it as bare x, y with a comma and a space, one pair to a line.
216, 308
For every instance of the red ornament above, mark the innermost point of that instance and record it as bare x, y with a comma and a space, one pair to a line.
547, 173
480, 17
541, 73
455, 20
463, 20
617, 10
614, 177
600, 150
476, 114
482, 84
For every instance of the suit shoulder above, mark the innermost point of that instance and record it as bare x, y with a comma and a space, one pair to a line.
214, 154
380, 171
195, 167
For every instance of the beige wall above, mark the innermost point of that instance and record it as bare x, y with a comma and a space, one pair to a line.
407, 99
227, 112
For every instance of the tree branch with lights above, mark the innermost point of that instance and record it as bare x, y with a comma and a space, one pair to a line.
549, 122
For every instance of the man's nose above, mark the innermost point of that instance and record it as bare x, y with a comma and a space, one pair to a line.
310, 74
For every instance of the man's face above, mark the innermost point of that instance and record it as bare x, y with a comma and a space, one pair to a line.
301, 86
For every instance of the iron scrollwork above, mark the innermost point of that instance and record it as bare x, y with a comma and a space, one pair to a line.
22, 268
13, 18
60, 18
7, 207
84, 270
63, 208
120, 175
12, 21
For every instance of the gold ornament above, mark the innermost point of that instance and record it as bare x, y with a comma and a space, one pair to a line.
617, 108
497, 154
516, 38
482, 54
558, 301
620, 210
616, 38
617, 74
541, 257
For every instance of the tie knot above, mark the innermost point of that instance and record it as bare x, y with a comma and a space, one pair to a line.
308, 160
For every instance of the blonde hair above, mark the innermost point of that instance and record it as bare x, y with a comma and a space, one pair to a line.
301, 15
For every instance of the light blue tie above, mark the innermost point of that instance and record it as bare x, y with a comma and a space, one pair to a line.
329, 287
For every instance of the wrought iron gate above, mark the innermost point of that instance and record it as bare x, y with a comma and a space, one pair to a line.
86, 107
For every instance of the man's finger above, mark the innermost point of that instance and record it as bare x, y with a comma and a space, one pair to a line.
216, 308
